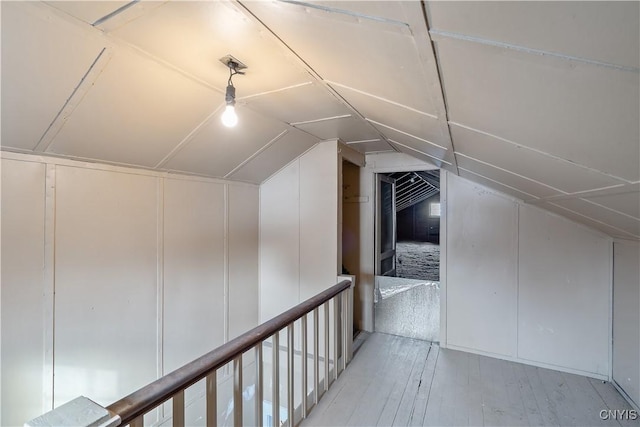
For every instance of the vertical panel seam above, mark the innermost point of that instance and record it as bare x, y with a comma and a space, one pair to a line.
260, 254
517, 353
226, 263
49, 287
299, 228
160, 277
611, 296
160, 272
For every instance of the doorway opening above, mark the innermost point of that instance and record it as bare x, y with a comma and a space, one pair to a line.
408, 254
351, 217
418, 225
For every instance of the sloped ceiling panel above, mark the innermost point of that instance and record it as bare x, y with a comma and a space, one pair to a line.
89, 11
564, 176
600, 213
506, 189
135, 113
194, 35
579, 29
545, 97
417, 149
307, 102
626, 203
43, 60
390, 10
390, 162
411, 142
216, 150
397, 116
579, 112
610, 229
274, 157
371, 55
533, 188
347, 129
373, 146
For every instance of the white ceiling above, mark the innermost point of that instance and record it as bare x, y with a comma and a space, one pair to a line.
536, 99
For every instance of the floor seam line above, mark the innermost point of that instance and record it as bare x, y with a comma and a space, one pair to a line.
435, 365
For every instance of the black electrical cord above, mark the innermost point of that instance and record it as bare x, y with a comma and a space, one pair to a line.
233, 70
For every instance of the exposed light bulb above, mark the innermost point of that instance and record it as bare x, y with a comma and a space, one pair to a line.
229, 117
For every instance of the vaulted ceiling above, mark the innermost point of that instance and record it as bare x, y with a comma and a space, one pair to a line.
539, 100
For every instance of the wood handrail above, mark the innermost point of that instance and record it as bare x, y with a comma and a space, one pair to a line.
152, 395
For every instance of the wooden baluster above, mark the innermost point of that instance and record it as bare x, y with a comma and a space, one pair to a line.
290, 374
275, 380
259, 382
336, 321
303, 326
326, 346
212, 399
237, 391
178, 409
316, 356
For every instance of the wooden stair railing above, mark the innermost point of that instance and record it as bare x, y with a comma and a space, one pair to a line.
131, 409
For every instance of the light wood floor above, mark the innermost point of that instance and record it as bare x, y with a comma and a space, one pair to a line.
400, 381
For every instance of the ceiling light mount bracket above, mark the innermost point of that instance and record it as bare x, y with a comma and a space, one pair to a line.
233, 64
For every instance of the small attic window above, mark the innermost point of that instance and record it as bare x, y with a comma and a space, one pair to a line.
434, 209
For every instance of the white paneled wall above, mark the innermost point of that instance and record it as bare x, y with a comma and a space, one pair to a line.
299, 230
524, 284
105, 340
194, 286
242, 252
564, 285
23, 292
482, 268
149, 271
318, 219
280, 242
626, 318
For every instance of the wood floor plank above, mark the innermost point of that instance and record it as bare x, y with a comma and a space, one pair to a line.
367, 356
614, 401
369, 408
424, 387
438, 388
495, 399
528, 397
454, 409
407, 401
559, 396
342, 402
474, 402
439, 410
515, 409
392, 403
400, 381
582, 405
545, 404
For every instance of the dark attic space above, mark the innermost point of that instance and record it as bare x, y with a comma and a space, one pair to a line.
418, 224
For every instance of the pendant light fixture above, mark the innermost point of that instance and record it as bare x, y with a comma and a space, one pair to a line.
229, 117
